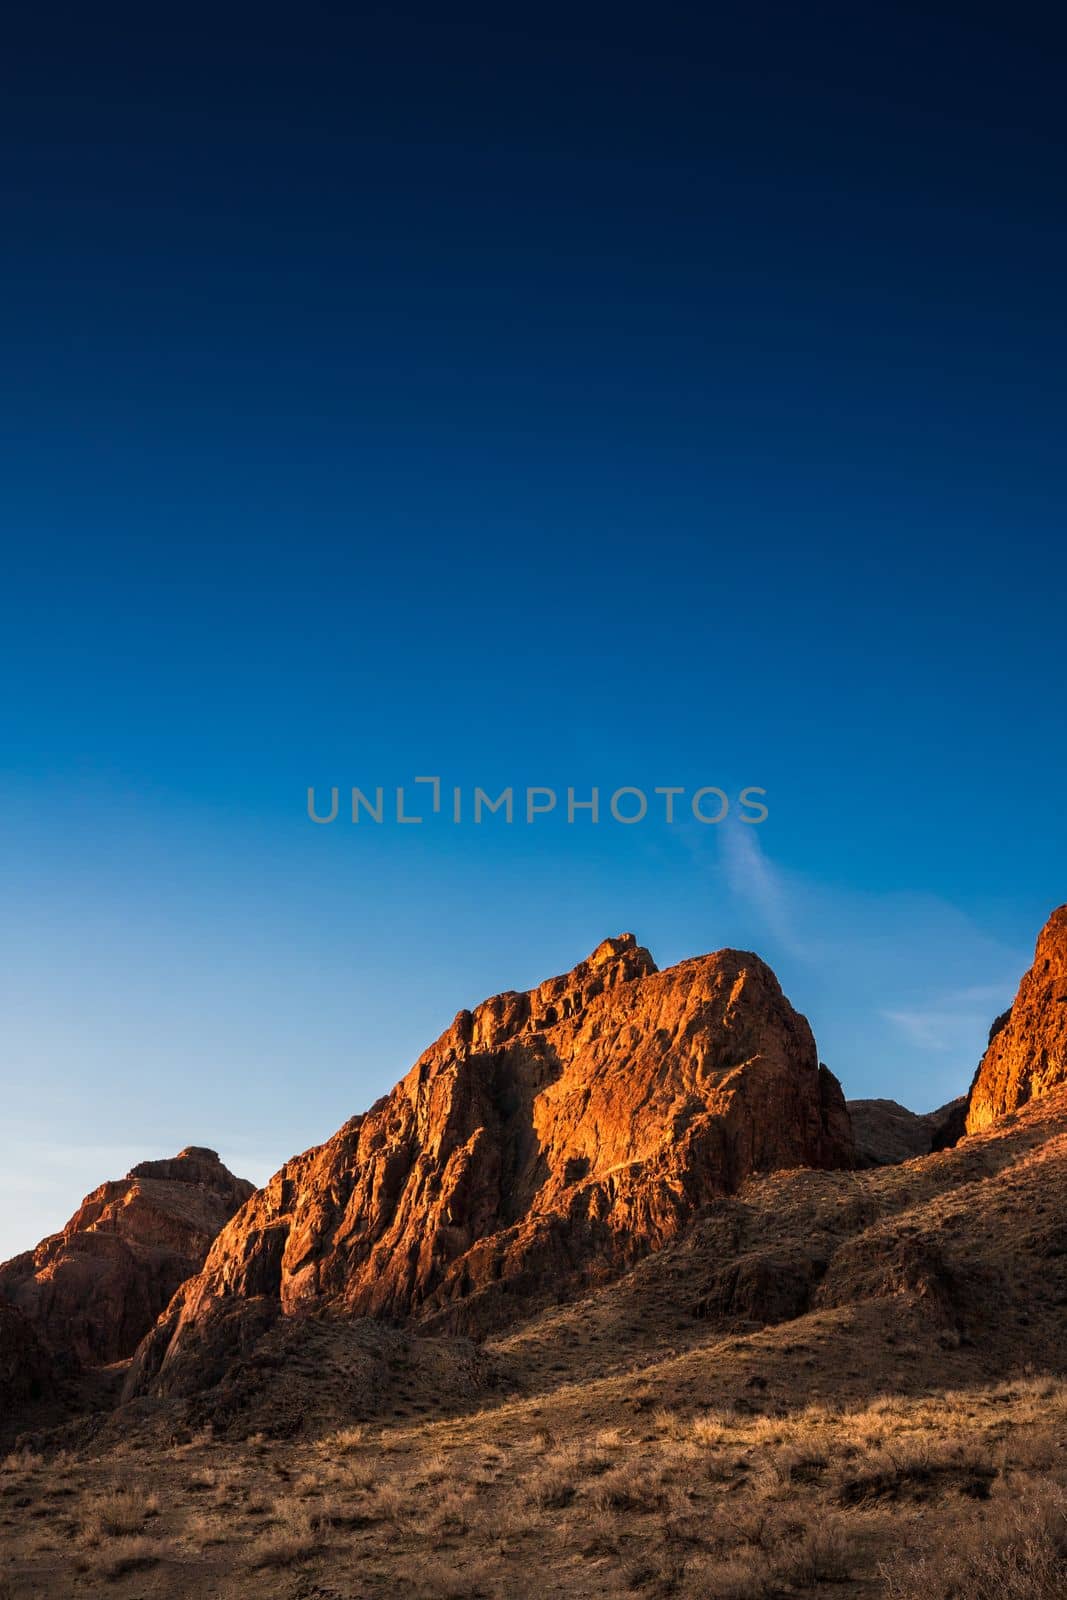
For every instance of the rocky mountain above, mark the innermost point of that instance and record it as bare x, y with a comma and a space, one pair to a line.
547, 1141
1027, 1054
640, 1189
887, 1132
90, 1292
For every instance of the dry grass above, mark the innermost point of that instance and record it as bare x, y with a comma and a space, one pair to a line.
127, 1553
293, 1537
344, 1442
899, 1498
117, 1514
1021, 1555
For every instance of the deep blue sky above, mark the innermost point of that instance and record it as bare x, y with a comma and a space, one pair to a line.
566, 397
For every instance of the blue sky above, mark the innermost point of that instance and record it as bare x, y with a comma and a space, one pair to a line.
547, 402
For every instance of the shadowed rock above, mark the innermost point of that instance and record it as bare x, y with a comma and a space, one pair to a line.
26, 1369
887, 1132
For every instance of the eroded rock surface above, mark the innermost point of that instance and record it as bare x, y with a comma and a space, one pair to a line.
1027, 1054
93, 1290
547, 1140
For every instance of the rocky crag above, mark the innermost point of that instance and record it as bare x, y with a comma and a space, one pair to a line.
86, 1295
547, 1141
1027, 1054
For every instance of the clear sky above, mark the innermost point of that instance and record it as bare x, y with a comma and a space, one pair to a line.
561, 397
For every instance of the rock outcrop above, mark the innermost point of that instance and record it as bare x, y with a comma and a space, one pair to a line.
547, 1141
1027, 1054
26, 1371
93, 1290
887, 1133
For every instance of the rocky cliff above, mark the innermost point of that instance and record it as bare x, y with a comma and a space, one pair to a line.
91, 1291
546, 1141
1027, 1054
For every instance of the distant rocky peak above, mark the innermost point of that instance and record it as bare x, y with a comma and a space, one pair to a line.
194, 1164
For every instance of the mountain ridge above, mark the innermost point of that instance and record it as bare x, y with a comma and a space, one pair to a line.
546, 1140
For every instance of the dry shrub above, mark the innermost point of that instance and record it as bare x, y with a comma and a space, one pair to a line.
358, 1477
434, 1469
455, 1512
670, 1425
712, 1428
445, 1580
118, 1514
740, 1577
919, 1469
610, 1439
1017, 1553
632, 1487
345, 1442
551, 1488
130, 1553
821, 1555
555, 1482
206, 1530
294, 1537
388, 1503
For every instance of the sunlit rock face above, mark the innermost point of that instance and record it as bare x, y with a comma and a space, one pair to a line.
546, 1141
1027, 1054
93, 1290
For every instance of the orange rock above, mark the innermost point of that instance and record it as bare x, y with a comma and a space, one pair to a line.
93, 1290
546, 1141
1027, 1054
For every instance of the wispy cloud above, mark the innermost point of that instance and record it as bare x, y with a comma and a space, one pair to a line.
900, 986
950, 1019
751, 877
